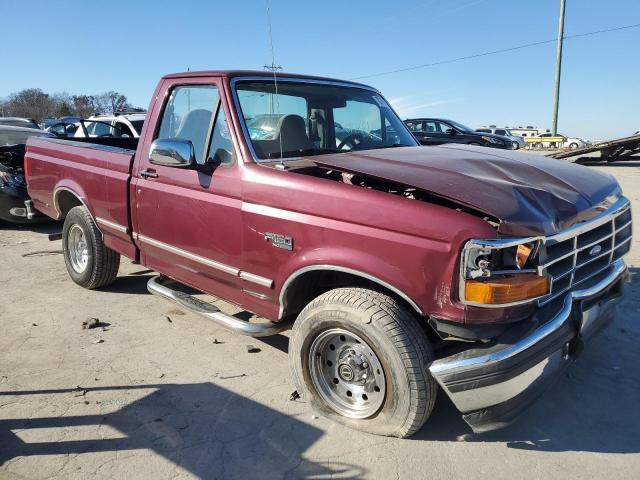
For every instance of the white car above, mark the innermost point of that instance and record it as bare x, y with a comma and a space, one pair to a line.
569, 142
118, 125
517, 142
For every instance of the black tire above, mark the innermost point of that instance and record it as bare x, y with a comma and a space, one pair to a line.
515, 145
395, 337
102, 263
573, 146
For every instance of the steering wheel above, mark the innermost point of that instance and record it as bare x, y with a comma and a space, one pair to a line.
350, 140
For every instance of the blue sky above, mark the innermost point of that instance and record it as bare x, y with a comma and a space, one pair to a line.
90, 47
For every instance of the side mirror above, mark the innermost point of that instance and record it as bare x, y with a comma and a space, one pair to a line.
450, 131
172, 152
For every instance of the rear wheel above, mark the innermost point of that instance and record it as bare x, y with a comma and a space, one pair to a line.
362, 360
573, 146
89, 262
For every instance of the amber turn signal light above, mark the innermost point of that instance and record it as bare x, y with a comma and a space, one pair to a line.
506, 290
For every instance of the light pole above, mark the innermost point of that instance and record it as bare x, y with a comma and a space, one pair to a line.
556, 97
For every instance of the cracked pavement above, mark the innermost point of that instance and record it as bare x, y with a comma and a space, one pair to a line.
162, 400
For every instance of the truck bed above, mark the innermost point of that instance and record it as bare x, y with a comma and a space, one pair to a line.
93, 171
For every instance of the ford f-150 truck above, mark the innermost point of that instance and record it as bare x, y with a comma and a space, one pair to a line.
307, 202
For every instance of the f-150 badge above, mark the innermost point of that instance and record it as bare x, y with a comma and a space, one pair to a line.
279, 241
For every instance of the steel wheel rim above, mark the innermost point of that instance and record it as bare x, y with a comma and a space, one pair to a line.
77, 248
347, 373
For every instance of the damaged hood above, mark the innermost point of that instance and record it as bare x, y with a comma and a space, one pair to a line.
529, 194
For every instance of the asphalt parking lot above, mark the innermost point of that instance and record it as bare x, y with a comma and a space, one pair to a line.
155, 392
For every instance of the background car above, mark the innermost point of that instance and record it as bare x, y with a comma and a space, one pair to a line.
517, 141
568, 142
436, 131
13, 189
64, 128
19, 122
107, 125
61, 127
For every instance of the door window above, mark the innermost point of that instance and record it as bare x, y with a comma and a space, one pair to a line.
416, 126
58, 129
430, 126
221, 149
501, 132
121, 129
442, 127
99, 129
187, 116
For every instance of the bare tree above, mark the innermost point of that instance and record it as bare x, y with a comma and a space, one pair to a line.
29, 103
63, 104
36, 104
114, 101
84, 105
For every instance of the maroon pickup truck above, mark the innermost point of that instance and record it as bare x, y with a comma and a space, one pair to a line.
307, 202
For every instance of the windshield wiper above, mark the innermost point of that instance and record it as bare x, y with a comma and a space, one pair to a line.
395, 145
304, 152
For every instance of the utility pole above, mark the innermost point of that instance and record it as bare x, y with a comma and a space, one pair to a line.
556, 98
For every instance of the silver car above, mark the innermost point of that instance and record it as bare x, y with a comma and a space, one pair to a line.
516, 141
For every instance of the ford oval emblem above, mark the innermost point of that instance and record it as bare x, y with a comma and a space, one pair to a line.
595, 250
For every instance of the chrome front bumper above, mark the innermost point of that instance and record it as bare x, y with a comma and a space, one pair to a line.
491, 385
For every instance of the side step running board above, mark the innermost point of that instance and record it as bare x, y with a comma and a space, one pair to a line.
157, 286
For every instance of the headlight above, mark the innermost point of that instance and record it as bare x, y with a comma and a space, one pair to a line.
501, 272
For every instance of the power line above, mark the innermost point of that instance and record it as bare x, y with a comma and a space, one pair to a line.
494, 52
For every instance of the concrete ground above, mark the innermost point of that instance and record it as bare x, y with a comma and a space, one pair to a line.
160, 393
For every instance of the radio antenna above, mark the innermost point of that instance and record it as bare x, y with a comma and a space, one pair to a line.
274, 69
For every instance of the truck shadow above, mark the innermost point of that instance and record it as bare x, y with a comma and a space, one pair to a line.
592, 408
135, 284
202, 428
46, 226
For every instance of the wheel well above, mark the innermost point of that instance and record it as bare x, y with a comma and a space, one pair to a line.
308, 285
65, 201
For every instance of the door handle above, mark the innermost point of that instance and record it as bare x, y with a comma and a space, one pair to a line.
149, 173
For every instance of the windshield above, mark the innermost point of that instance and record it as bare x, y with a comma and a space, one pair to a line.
314, 119
459, 126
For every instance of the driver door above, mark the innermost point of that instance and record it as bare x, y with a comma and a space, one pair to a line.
434, 134
188, 219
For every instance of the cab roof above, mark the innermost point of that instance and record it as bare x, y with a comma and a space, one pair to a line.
258, 73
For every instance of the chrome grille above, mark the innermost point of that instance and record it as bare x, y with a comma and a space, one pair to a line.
582, 252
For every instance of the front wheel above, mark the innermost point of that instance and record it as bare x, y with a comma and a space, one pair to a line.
573, 146
515, 145
362, 360
89, 262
